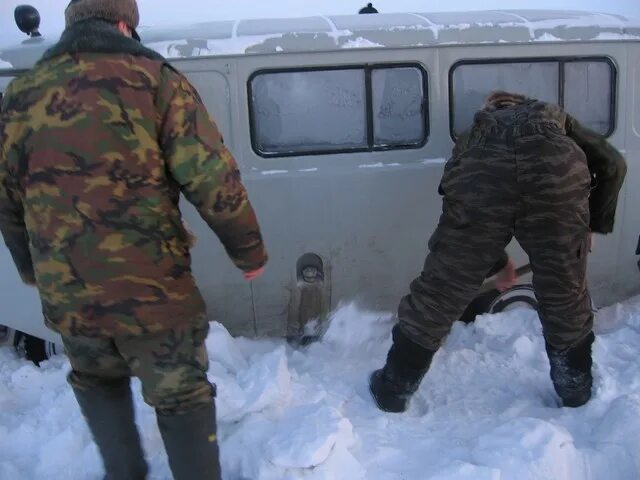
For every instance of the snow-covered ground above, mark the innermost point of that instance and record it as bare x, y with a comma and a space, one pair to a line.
486, 410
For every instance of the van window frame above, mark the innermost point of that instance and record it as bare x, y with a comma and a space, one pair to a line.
561, 61
369, 125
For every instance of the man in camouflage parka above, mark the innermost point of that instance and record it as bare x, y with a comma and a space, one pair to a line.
97, 142
525, 169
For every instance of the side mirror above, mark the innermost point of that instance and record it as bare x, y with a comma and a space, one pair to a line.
27, 19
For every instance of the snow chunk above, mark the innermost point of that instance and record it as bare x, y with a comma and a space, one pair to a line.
467, 471
307, 435
223, 349
208, 47
548, 37
266, 383
274, 172
434, 161
350, 327
617, 427
360, 42
547, 450
378, 165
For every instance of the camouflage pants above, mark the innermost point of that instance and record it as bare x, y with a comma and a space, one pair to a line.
171, 365
530, 182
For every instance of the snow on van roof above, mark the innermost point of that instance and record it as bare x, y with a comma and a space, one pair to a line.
327, 33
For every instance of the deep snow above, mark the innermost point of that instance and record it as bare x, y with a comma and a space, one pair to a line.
486, 410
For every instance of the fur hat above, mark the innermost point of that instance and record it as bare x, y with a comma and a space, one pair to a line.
502, 99
111, 10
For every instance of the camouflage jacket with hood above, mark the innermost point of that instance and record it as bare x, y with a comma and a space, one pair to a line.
96, 143
607, 166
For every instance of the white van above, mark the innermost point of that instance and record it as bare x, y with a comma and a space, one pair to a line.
341, 126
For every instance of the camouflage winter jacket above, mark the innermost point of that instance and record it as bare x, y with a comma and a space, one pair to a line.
607, 166
96, 143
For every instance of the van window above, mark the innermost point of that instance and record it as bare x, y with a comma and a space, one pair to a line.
472, 83
588, 94
332, 110
398, 104
309, 111
584, 87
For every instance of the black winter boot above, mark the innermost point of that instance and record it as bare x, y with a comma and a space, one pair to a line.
191, 444
394, 384
571, 372
109, 413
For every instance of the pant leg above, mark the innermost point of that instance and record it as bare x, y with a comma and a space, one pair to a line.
553, 227
475, 226
94, 362
100, 381
454, 270
172, 367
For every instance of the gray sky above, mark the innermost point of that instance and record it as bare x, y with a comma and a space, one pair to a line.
162, 12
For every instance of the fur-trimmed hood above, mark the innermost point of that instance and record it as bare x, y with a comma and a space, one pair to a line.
501, 99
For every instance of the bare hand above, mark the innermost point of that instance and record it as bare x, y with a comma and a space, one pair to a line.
253, 274
506, 278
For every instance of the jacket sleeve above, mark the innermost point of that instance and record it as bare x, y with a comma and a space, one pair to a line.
12, 223
608, 169
207, 173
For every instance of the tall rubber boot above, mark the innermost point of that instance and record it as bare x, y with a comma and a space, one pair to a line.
109, 413
191, 444
394, 384
571, 372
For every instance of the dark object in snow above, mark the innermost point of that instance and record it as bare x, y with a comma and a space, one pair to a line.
27, 19
368, 9
491, 300
394, 384
33, 348
571, 372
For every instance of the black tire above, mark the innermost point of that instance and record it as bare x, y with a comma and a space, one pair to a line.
496, 302
478, 306
33, 348
520, 295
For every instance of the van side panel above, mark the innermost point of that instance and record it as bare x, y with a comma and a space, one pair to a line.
367, 215
629, 218
364, 217
227, 294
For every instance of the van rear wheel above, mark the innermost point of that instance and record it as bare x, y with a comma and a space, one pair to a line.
33, 348
520, 296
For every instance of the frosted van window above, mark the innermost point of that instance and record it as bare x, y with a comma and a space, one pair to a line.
472, 83
309, 111
398, 106
588, 94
